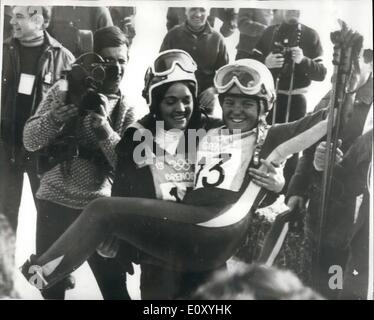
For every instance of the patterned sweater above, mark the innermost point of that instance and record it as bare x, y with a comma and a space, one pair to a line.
86, 181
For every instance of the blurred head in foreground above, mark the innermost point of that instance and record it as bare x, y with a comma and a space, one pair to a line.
255, 282
7, 243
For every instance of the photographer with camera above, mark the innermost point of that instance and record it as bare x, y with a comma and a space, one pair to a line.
292, 52
81, 120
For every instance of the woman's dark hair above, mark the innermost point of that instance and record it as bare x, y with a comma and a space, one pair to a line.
108, 37
158, 95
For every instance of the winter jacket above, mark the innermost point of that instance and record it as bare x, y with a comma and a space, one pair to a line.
54, 60
207, 48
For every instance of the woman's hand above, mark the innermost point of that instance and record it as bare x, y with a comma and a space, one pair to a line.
320, 155
272, 179
296, 202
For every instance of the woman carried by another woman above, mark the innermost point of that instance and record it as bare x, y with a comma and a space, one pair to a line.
207, 227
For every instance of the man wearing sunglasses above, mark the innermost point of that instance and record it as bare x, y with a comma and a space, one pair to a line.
70, 184
207, 48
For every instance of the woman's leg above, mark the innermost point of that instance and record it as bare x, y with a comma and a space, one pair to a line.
52, 221
132, 220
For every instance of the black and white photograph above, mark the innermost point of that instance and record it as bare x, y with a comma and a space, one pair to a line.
186, 150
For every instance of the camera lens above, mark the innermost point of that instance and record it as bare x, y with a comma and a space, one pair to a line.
98, 73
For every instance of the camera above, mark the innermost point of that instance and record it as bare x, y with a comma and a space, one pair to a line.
85, 81
283, 45
283, 50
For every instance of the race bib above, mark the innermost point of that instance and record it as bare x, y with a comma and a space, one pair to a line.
173, 177
223, 160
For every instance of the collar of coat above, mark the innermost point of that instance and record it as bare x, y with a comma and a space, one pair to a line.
207, 29
49, 41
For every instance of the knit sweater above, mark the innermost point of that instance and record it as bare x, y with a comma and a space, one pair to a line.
86, 181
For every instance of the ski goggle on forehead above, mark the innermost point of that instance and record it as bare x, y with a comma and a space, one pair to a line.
247, 79
166, 62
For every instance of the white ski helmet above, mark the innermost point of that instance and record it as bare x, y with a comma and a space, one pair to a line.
169, 66
252, 78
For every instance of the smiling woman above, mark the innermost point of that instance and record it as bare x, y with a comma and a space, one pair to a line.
170, 91
176, 107
240, 112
